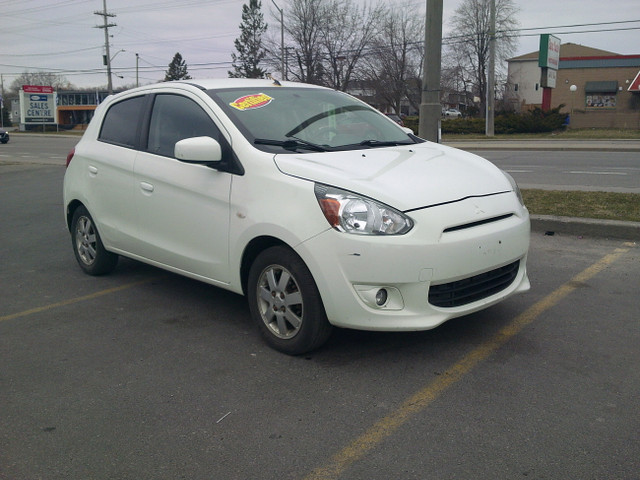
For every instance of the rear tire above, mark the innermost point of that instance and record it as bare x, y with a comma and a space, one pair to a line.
87, 245
285, 303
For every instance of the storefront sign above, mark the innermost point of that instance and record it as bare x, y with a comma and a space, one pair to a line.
549, 55
548, 79
37, 105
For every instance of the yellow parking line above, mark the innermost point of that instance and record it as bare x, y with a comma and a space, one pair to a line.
423, 398
71, 301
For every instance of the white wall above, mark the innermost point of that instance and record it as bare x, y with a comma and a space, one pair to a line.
526, 76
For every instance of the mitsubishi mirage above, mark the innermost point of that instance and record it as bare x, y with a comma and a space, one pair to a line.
318, 208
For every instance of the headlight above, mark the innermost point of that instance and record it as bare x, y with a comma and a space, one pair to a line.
515, 187
352, 213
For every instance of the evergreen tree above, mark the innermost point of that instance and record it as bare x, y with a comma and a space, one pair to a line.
249, 44
177, 69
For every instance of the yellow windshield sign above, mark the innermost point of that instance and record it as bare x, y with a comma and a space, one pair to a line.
249, 102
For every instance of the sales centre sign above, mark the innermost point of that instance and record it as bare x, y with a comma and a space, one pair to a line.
37, 105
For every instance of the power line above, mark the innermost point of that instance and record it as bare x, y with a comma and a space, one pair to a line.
576, 25
152, 68
51, 54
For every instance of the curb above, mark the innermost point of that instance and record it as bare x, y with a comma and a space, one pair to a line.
587, 227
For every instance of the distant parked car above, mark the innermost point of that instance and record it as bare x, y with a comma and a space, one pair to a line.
453, 112
4, 136
395, 118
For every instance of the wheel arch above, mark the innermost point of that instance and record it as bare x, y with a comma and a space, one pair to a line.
71, 208
251, 251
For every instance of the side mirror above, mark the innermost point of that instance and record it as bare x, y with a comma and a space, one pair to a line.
198, 150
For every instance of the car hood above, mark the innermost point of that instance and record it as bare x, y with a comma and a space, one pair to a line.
404, 177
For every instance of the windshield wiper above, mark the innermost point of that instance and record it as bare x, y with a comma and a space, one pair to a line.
383, 143
291, 144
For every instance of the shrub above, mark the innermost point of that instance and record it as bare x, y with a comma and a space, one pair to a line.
412, 123
534, 121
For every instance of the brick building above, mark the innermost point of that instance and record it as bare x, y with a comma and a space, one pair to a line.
605, 94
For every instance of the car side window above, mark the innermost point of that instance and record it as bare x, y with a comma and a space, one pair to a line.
175, 118
120, 125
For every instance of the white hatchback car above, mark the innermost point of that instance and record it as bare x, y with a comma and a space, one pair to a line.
453, 112
317, 207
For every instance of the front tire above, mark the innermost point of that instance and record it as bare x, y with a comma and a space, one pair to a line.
87, 245
285, 303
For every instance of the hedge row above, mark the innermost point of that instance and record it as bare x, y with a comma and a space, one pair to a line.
534, 121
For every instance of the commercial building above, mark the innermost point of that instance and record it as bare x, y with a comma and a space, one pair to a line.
75, 109
599, 89
37, 106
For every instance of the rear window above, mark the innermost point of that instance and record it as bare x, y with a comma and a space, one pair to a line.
120, 125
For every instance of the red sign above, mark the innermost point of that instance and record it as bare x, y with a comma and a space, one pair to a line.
635, 85
36, 89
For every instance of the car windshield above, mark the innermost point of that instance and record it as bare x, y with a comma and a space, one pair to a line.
287, 120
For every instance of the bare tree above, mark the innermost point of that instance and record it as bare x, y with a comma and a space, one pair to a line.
326, 39
470, 44
303, 24
47, 79
348, 30
394, 64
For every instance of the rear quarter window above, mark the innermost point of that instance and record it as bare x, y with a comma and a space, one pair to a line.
120, 124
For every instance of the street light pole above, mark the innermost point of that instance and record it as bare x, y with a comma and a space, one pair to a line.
572, 89
109, 72
1, 101
284, 73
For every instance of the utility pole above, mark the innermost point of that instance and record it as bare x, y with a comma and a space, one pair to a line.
491, 82
107, 58
430, 109
137, 63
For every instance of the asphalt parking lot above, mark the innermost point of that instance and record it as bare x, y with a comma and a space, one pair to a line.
147, 375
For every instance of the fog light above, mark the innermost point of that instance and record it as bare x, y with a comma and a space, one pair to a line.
381, 297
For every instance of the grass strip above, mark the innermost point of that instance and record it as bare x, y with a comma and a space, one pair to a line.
599, 205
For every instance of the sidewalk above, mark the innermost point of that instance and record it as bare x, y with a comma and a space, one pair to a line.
611, 145
551, 145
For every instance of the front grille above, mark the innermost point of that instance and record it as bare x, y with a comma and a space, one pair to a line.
474, 288
478, 223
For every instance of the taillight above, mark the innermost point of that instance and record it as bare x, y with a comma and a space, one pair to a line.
70, 156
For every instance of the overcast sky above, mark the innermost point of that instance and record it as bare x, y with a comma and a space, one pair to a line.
60, 35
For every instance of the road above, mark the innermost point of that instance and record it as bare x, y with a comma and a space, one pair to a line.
570, 170
143, 374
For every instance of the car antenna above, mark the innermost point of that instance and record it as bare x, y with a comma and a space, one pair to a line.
275, 81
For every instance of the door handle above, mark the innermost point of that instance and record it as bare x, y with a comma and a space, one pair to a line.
147, 187
93, 170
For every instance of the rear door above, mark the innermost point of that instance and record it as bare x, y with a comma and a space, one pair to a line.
109, 172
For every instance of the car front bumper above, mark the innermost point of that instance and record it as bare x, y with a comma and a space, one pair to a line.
472, 263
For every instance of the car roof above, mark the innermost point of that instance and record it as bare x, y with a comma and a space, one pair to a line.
214, 84
219, 83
